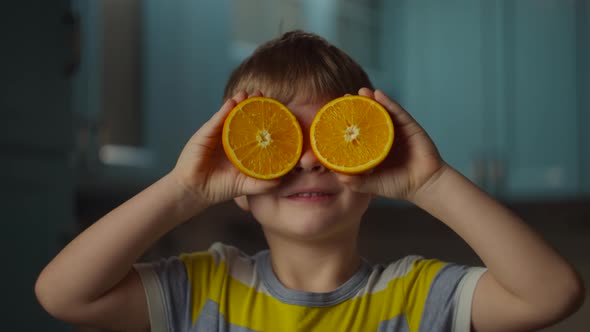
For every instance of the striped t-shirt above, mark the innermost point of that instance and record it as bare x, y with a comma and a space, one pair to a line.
223, 289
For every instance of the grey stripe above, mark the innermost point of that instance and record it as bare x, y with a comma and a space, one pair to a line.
175, 293
440, 304
210, 319
396, 324
276, 289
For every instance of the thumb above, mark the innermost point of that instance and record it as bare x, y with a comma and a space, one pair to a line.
211, 130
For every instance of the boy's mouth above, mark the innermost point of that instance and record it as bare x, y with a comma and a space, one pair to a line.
310, 194
312, 197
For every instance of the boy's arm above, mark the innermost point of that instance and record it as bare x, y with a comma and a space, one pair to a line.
528, 285
92, 282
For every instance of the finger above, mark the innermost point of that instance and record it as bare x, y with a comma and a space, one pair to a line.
401, 116
212, 128
214, 125
240, 96
257, 93
217, 119
366, 92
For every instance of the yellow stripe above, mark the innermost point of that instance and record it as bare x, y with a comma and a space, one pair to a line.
244, 306
200, 269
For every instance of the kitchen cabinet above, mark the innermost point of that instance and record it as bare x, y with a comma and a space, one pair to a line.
185, 64
432, 59
183, 61
540, 136
499, 87
36, 187
36, 200
583, 64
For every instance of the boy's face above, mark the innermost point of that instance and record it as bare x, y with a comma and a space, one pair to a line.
310, 203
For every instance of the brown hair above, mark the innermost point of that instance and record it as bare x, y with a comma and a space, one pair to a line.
298, 64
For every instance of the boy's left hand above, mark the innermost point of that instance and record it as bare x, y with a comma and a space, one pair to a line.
412, 162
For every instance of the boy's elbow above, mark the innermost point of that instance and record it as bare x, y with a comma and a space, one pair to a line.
569, 297
45, 298
574, 293
50, 301
562, 298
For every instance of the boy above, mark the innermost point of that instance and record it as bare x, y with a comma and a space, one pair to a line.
312, 278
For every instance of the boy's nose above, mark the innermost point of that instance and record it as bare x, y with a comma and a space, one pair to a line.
309, 162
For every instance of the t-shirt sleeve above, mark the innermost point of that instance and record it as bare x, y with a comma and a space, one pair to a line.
463, 298
177, 287
167, 291
446, 304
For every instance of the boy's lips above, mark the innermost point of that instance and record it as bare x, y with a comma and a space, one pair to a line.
311, 194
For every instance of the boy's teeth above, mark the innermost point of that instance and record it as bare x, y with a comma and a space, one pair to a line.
309, 194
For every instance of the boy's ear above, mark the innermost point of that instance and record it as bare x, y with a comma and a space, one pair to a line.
242, 202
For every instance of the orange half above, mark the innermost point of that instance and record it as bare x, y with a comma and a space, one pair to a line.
262, 138
352, 134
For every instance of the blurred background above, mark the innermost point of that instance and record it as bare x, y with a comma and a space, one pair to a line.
98, 98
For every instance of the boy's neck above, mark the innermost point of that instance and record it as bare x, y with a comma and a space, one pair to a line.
314, 267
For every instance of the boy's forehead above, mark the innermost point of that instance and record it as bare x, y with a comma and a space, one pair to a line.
305, 110
295, 93
306, 105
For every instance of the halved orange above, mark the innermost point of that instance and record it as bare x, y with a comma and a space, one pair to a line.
351, 134
262, 138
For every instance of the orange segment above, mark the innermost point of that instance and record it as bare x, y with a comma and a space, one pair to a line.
262, 138
351, 134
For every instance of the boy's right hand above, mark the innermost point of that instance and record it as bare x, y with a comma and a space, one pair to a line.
203, 168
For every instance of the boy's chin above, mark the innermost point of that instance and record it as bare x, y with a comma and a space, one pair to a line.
311, 231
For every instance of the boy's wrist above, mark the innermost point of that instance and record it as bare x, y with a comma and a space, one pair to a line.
187, 202
433, 186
